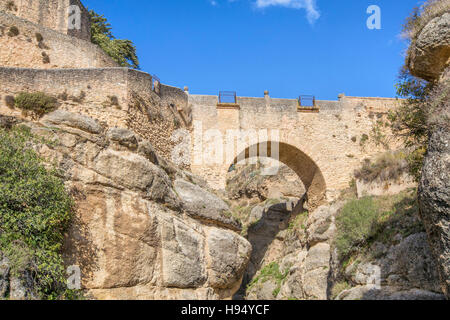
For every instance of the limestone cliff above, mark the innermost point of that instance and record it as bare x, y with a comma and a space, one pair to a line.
430, 58
144, 229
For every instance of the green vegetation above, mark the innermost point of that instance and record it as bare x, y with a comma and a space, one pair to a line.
298, 222
121, 51
38, 103
45, 57
378, 136
10, 101
35, 212
364, 139
338, 288
420, 16
112, 101
390, 165
362, 222
11, 6
411, 120
39, 37
13, 31
355, 224
270, 272
416, 117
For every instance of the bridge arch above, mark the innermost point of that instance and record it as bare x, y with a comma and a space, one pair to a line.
305, 167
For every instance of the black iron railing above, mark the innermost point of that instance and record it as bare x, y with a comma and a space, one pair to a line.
227, 97
307, 101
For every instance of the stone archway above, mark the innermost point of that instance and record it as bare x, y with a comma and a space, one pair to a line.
305, 167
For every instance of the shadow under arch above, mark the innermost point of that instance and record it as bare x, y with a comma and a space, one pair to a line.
306, 169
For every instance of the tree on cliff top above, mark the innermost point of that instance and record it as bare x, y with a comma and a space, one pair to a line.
121, 51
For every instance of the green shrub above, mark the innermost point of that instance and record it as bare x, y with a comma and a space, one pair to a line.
338, 288
9, 101
80, 98
11, 6
39, 37
45, 58
270, 272
39, 103
355, 224
35, 212
13, 31
364, 139
390, 165
420, 16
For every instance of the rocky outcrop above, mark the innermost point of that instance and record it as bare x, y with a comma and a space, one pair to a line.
301, 250
403, 271
429, 58
141, 231
429, 54
434, 196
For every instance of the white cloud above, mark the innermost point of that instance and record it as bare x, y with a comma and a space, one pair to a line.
309, 5
312, 12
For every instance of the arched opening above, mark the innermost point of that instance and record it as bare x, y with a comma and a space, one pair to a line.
305, 168
267, 219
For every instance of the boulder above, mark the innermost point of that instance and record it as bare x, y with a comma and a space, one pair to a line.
78, 121
430, 53
201, 204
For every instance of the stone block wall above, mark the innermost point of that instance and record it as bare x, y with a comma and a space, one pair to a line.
336, 139
52, 14
35, 46
117, 97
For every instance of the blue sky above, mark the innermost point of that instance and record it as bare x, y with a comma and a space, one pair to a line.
289, 47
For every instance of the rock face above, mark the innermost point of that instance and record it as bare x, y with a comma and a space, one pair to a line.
434, 196
141, 230
430, 53
429, 59
295, 258
301, 250
403, 271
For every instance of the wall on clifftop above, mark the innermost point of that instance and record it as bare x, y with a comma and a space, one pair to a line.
117, 97
52, 14
36, 46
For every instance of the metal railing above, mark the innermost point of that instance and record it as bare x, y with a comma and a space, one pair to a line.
228, 97
307, 101
154, 80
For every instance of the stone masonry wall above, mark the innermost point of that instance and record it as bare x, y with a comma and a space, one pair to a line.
116, 97
52, 14
337, 138
36, 46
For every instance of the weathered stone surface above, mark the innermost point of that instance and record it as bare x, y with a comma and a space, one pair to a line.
434, 199
4, 276
315, 272
124, 137
130, 236
372, 292
61, 117
183, 255
263, 291
204, 205
21, 288
430, 53
321, 224
228, 255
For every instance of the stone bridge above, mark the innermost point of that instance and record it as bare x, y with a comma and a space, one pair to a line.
323, 145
